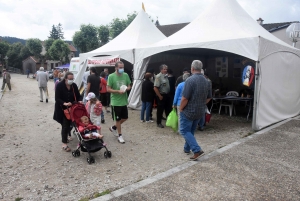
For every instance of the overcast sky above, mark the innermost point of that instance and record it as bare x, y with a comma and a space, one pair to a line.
34, 19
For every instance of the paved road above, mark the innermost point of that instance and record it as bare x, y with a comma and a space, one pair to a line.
264, 166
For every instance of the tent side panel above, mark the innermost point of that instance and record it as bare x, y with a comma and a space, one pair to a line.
134, 98
279, 94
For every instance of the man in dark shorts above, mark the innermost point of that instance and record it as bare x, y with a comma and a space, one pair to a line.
118, 84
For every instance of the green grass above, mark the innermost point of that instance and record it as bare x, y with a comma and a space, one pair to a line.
96, 195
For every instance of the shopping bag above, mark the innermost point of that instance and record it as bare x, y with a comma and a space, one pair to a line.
172, 120
207, 115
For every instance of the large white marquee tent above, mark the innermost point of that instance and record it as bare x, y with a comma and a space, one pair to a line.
225, 26
140, 33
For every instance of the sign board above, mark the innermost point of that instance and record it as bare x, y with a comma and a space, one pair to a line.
102, 61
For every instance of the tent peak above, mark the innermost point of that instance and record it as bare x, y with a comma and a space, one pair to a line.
143, 7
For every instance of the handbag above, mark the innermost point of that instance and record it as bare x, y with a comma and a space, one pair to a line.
67, 112
172, 120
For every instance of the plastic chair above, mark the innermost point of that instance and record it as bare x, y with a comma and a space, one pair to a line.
230, 104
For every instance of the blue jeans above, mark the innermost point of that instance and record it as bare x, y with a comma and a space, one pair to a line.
202, 121
54, 79
146, 106
187, 130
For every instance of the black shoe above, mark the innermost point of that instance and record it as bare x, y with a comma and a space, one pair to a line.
200, 129
103, 121
160, 126
187, 152
41, 101
163, 118
46, 100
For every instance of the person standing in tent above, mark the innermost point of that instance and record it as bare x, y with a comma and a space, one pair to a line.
162, 90
180, 78
192, 108
107, 94
93, 83
84, 80
118, 84
103, 91
202, 120
42, 78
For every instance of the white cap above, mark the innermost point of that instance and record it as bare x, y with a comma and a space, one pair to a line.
90, 96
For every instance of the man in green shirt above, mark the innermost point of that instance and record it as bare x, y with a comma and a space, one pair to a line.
116, 83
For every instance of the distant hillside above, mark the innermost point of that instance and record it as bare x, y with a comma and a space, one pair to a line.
13, 39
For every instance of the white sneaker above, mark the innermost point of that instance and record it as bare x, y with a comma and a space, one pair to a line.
142, 121
115, 132
121, 140
149, 121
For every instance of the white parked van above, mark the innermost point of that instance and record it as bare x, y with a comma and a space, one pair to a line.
74, 66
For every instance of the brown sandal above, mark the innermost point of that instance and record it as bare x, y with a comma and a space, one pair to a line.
66, 148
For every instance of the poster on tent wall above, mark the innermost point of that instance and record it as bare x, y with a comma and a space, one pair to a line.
103, 61
222, 66
248, 75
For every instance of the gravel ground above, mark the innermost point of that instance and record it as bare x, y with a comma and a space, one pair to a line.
33, 166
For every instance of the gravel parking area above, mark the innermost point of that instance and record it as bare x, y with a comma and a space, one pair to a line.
34, 167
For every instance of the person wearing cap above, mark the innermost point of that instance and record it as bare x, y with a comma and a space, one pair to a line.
66, 93
115, 84
94, 108
42, 78
6, 80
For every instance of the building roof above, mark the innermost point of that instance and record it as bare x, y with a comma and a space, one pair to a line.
276, 26
72, 48
170, 29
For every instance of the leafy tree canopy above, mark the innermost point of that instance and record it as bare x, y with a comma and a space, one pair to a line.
59, 51
14, 55
34, 45
87, 38
103, 32
4, 47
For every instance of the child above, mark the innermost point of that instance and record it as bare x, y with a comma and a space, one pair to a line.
89, 130
94, 108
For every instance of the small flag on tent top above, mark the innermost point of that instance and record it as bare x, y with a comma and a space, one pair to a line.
143, 7
248, 75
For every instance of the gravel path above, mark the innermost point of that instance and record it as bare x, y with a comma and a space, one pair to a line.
33, 166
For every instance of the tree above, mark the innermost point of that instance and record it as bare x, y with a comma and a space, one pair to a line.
56, 32
14, 55
117, 26
24, 53
86, 39
131, 17
4, 47
59, 30
59, 51
48, 43
34, 46
103, 32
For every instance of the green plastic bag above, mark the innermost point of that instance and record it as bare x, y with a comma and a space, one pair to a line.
172, 120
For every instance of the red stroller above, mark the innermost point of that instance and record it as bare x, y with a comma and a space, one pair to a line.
86, 145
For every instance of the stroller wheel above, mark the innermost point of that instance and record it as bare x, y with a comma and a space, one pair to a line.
89, 160
105, 154
109, 154
74, 153
77, 153
93, 160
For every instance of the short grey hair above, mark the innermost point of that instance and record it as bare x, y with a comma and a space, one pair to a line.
41, 68
185, 76
163, 66
197, 65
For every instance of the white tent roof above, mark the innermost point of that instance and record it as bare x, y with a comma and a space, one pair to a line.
223, 26
140, 33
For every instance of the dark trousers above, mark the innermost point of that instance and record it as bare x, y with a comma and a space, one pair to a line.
163, 105
65, 129
108, 99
